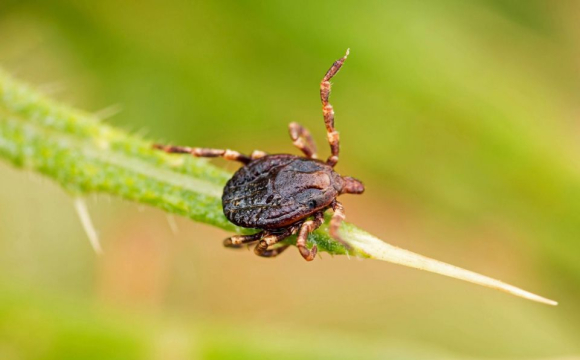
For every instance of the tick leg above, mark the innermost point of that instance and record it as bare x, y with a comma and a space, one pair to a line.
335, 222
204, 152
306, 228
302, 139
262, 249
328, 112
237, 241
257, 154
272, 252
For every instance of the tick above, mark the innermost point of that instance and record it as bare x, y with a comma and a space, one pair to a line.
283, 194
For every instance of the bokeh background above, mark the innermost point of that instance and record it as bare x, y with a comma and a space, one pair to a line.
462, 118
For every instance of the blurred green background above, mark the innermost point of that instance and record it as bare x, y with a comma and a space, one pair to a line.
461, 117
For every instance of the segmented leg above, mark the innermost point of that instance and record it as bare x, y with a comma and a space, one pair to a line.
256, 154
204, 152
302, 139
237, 241
271, 252
263, 248
335, 222
306, 228
328, 112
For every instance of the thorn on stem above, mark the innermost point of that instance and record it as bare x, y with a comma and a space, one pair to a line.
84, 216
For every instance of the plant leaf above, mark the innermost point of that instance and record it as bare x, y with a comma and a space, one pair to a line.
84, 155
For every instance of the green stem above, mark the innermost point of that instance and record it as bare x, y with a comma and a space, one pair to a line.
84, 155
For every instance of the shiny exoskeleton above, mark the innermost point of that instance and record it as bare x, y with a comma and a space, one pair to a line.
285, 194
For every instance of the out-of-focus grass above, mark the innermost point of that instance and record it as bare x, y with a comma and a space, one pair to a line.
461, 118
36, 326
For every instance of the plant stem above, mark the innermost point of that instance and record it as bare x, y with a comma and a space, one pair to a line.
84, 155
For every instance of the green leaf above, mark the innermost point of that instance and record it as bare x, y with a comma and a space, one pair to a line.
84, 155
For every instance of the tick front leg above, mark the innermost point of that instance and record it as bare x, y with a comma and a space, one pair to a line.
335, 222
302, 139
204, 152
306, 228
237, 241
328, 111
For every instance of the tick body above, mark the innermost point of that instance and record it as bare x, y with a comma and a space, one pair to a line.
283, 194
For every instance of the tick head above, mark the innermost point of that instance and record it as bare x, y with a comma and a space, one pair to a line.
352, 186
310, 184
314, 191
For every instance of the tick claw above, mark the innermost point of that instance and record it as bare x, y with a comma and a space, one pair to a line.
230, 244
314, 251
308, 255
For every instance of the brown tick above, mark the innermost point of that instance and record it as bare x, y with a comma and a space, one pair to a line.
284, 194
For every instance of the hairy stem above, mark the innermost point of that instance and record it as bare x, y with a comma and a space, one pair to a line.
84, 155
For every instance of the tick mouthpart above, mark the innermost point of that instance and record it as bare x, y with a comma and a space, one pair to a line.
352, 186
